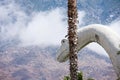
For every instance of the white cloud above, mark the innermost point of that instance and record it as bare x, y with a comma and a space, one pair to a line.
115, 25
81, 15
46, 28
12, 20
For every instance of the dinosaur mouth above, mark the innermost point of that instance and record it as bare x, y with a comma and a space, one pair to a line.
63, 56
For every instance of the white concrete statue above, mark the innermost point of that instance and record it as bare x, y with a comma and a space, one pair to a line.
101, 34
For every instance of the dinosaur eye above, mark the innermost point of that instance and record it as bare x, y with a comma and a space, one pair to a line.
63, 41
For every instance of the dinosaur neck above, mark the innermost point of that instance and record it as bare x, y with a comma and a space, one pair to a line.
105, 37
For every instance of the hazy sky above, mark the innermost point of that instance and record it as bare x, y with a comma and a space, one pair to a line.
41, 28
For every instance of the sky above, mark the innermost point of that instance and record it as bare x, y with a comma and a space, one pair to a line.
41, 28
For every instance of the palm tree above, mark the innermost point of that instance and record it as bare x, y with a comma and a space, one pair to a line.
72, 37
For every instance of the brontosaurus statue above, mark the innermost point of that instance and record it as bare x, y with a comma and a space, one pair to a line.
101, 34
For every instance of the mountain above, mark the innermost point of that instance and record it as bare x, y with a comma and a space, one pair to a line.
36, 63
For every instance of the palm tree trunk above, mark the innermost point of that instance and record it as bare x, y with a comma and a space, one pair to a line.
72, 37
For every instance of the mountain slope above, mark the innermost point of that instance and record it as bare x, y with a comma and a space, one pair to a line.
35, 63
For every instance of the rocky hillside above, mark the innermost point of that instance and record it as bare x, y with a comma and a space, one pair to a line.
35, 63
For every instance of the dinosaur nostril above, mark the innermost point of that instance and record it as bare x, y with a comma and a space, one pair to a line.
118, 53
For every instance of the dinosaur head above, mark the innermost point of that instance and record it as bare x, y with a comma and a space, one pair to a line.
63, 52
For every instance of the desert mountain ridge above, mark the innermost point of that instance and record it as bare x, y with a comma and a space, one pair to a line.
36, 63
